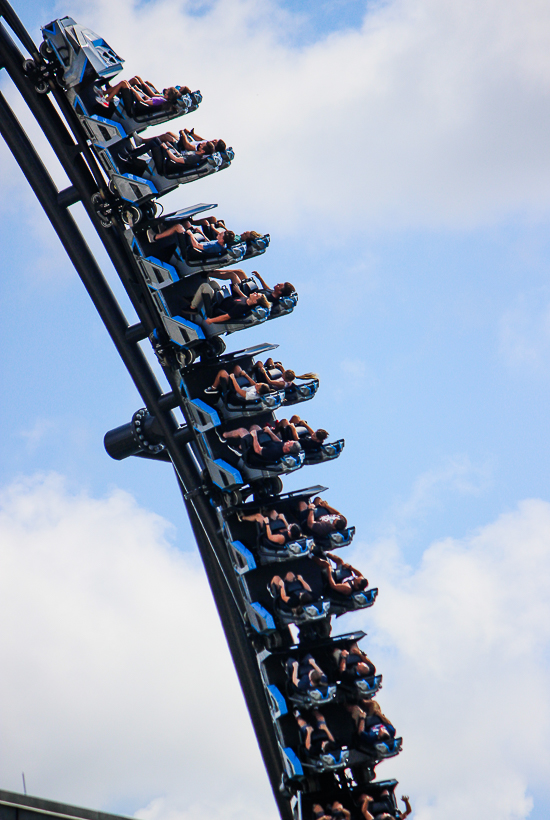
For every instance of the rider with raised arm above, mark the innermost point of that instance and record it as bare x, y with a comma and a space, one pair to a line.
275, 530
298, 430
270, 451
353, 662
305, 674
275, 293
293, 590
372, 809
227, 384
136, 101
316, 737
320, 519
344, 578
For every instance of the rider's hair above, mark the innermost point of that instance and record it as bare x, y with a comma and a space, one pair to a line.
172, 94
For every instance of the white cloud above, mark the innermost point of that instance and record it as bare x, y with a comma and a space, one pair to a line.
433, 113
117, 687
458, 474
35, 434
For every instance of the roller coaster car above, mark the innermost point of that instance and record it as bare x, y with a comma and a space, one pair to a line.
336, 540
326, 452
260, 590
255, 316
199, 379
383, 749
361, 688
227, 468
251, 247
234, 407
340, 604
152, 181
81, 54
281, 307
254, 466
315, 610
182, 257
105, 131
327, 762
371, 750
352, 688
86, 61
329, 603
297, 393
287, 504
251, 534
325, 600
182, 335
231, 405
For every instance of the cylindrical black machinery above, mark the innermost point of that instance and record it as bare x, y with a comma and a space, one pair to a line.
140, 437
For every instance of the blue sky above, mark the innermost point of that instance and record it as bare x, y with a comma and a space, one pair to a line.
397, 154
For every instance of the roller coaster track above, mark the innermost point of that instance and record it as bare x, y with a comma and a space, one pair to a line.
60, 125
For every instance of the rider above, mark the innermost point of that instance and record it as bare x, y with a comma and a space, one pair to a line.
293, 590
305, 674
354, 663
275, 531
315, 736
271, 450
320, 519
382, 808
227, 384
344, 578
